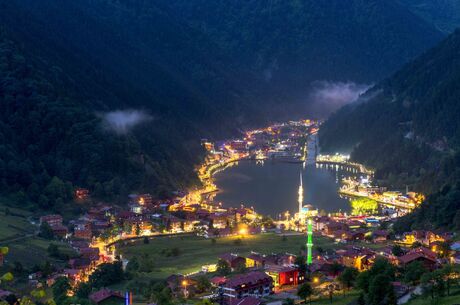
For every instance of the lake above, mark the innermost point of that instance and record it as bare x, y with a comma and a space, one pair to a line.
271, 188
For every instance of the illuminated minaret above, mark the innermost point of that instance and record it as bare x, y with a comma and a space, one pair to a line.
300, 199
309, 241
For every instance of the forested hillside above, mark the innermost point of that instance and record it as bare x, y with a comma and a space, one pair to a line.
50, 143
444, 14
408, 128
115, 95
291, 43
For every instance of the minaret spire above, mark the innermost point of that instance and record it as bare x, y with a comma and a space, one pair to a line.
300, 197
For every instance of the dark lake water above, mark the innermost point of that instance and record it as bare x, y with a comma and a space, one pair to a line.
271, 188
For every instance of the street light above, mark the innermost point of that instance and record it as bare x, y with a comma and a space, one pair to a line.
184, 284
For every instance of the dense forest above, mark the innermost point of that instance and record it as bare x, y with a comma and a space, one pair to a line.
289, 44
408, 129
444, 14
114, 95
51, 144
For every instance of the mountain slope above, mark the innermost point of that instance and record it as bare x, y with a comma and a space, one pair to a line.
444, 14
296, 42
408, 126
176, 74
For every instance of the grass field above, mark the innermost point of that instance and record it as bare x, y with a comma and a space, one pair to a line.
18, 234
338, 299
453, 299
34, 250
14, 225
195, 252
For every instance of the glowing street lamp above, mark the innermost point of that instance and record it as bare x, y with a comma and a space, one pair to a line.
184, 284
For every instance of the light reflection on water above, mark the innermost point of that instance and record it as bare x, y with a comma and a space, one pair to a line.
271, 187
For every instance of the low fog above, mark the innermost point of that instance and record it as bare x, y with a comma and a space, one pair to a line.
326, 97
121, 121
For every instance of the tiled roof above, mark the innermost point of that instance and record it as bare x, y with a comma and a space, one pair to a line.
413, 256
104, 294
248, 278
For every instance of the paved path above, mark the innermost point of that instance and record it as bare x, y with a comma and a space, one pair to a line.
405, 298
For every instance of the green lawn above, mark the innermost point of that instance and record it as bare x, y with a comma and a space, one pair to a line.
454, 298
195, 252
18, 234
338, 299
33, 250
14, 225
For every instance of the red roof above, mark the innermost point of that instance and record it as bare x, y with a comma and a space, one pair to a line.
104, 294
405, 259
230, 257
280, 269
50, 217
427, 252
218, 280
256, 257
248, 278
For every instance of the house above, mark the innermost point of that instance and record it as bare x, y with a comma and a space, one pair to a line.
426, 256
253, 284
220, 220
320, 223
282, 275
106, 296
359, 258
286, 259
380, 236
59, 230
327, 269
51, 220
81, 193
334, 226
83, 233
423, 237
77, 244
233, 260
80, 263
218, 281
90, 253
145, 199
172, 223
72, 274
255, 260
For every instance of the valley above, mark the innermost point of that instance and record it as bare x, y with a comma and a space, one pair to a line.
262, 152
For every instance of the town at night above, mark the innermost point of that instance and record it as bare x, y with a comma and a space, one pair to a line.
196, 152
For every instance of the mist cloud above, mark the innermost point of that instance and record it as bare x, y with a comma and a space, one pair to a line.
121, 121
326, 97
